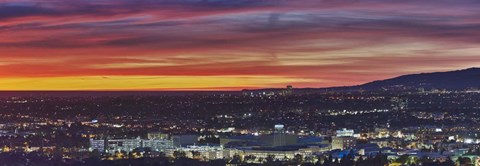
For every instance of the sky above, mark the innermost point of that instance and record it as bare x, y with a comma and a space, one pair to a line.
230, 44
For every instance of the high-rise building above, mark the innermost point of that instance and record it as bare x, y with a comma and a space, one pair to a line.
344, 139
289, 90
290, 87
279, 135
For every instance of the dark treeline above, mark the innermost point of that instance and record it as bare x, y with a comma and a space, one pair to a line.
37, 159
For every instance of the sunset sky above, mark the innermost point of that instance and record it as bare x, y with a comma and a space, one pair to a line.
229, 44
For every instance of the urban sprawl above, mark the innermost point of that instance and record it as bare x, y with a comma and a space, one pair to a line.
262, 127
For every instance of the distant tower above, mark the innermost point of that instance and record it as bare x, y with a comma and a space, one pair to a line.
289, 90
279, 135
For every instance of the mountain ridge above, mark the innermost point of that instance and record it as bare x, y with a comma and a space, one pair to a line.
450, 80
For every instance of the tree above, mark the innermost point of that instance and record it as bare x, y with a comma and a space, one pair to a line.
270, 158
449, 162
327, 161
309, 159
261, 159
249, 158
179, 154
424, 160
403, 159
464, 161
236, 159
95, 154
196, 154
360, 161
298, 159
348, 160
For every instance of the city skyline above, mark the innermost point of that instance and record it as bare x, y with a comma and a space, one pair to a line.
229, 45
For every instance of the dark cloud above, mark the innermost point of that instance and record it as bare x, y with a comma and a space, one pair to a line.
12, 11
60, 8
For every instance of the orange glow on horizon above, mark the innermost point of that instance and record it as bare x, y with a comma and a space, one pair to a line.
110, 83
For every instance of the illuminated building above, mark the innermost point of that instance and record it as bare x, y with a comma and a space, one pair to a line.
204, 152
157, 144
128, 145
345, 133
343, 143
279, 137
157, 135
98, 144
382, 133
119, 145
283, 153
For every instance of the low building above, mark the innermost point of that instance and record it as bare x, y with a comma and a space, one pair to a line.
284, 153
128, 145
122, 145
157, 135
157, 144
199, 152
185, 140
345, 133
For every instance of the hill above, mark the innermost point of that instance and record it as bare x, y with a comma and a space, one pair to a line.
451, 80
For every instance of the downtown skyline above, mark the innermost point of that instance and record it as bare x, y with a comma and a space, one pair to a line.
229, 45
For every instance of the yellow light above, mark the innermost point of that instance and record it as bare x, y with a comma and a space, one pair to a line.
143, 82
